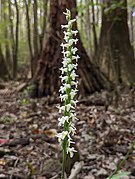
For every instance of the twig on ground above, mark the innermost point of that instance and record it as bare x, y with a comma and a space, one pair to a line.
75, 170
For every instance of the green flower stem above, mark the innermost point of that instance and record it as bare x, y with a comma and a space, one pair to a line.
63, 163
66, 125
123, 160
64, 158
68, 90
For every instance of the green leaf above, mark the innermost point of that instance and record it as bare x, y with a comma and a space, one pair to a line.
119, 175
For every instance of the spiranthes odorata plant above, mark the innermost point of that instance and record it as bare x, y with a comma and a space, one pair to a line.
68, 89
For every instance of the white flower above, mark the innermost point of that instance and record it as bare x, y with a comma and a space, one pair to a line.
61, 108
74, 32
64, 26
73, 75
64, 87
67, 53
68, 107
70, 142
75, 41
71, 41
74, 83
71, 21
64, 78
73, 93
73, 116
61, 136
63, 97
74, 50
63, 70
62, 120
64, 45
66, 38
75, 65
70, 67
74, 102
75, 57
68, 89
66, 61
67, 33
72, 129
71, 151
67, 13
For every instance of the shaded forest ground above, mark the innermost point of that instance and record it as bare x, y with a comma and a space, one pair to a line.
29, 148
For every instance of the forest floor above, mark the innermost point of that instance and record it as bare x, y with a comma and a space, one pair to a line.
29, 148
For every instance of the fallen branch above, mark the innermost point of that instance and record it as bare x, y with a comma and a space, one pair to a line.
26, 141
75, 170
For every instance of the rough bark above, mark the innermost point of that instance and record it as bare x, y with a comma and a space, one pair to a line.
14, 36
47, 76
41, 36
4, 66
5, 62
15, 54
88, 29
35, 33
94, 28
29, 37
3, 70
115, 53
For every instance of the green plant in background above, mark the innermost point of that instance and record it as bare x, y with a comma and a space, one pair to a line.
31, 169
119, 175
68, 90
115, 174
24, 102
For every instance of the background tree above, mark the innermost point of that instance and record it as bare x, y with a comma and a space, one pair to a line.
115, 53
35, 34
27, 4
15, 45
4, 42
23, 35
48, 69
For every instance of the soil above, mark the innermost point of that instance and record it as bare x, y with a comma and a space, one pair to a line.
29, 148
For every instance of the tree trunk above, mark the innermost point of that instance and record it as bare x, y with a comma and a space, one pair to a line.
3, 69
15, 54
14, 37
88, 29
4, 47
41, 37
29, 37
4, 66
47, 76
132, 27
94, 28
115, 53
35, 33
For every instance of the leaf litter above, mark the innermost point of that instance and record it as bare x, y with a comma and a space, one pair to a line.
29, 148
